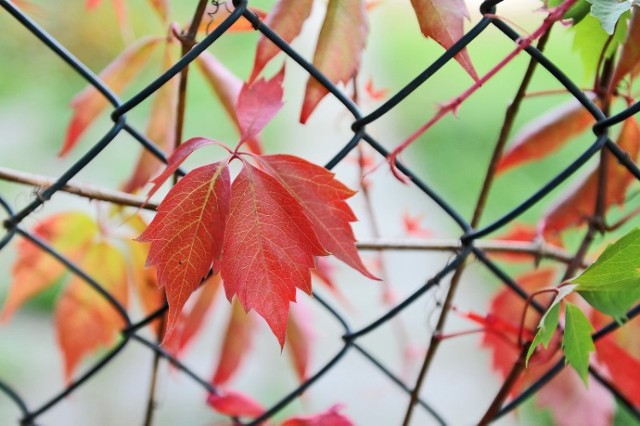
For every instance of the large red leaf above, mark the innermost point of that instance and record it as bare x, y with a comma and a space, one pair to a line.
227, 88
443, 21
323, 200
579, 204
340, 44
269, 249
330, 417
187, 232
160, 129
89, 103
546, 134
286, 19
84, 319
35, 270
236, 344
235, 404
258, 103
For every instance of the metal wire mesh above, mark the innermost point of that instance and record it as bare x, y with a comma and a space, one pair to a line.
351, 338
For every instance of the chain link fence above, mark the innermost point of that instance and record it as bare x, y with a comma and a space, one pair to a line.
351, 337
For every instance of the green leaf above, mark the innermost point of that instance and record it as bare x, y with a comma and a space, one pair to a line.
546, 329
612, 283
576, 12
549, 321
590, 38
577, 343
609, 12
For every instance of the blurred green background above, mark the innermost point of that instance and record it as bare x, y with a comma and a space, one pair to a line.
36, 88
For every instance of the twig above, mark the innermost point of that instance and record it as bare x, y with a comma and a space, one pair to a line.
82, 190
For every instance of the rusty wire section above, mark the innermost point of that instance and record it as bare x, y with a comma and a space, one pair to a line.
350, 337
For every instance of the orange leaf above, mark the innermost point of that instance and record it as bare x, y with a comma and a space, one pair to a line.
227, 87
299, 336
190, 222
161, 7
89, 103
286, 19
161, 129
236, 344
323, 200
190, 323
235, 404
35, 270
216, 14
84, 319
546, 134
269, 248
443, 21
330, 417
342, 39
580, 203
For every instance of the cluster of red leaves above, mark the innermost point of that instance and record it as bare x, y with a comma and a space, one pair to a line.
261, 232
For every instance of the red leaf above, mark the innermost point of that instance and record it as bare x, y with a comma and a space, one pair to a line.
89, 103
299, 337
286, 19
620, 353
35, 270
443, 21
340, 44
176, 159
630, 56
187, 232
84, 319
330, 417
160, 130
235, 404
519, 232
546, 134
269, 248
373, 93
323, 199
237, 343
257, 104
191, 322
227, 88
579, 205
413, 225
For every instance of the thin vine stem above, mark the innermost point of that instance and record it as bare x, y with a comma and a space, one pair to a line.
507, 126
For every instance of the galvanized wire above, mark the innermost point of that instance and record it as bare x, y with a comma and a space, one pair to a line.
350, 337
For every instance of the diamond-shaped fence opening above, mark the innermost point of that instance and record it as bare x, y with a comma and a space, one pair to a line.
353, 338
